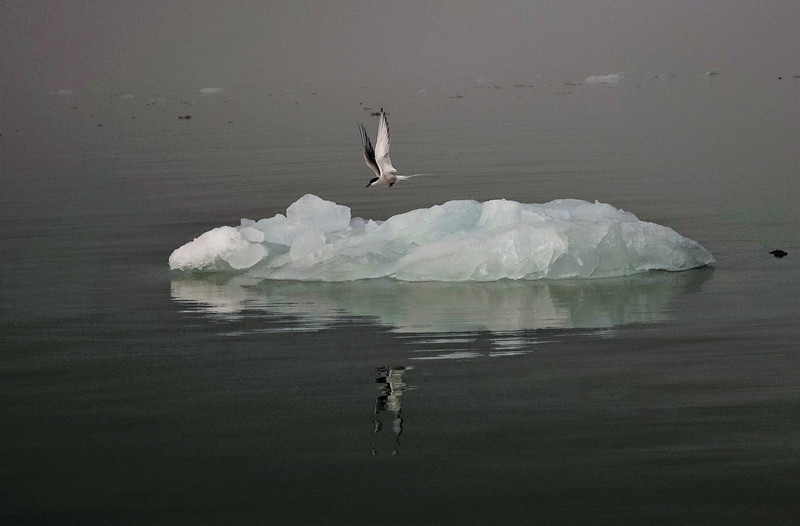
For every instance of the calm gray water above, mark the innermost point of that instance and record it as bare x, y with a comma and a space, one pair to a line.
134, 395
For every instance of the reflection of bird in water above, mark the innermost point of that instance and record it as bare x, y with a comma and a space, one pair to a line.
392, 388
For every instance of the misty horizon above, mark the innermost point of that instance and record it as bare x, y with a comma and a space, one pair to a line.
154, 47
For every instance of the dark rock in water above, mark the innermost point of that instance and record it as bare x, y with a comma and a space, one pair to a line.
779, 253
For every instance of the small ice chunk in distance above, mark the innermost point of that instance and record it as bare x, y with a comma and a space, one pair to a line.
604, 79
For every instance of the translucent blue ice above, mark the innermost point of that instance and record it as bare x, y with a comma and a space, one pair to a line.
318, 240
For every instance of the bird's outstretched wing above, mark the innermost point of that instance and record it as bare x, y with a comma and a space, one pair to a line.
369, 152
382, 147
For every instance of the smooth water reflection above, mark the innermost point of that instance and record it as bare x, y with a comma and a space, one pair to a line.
500, 307
435, 321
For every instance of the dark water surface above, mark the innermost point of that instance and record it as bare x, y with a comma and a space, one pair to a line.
134, 395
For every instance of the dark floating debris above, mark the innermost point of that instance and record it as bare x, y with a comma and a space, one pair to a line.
187, 117
779, 253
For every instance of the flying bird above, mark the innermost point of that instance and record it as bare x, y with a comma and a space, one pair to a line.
378, 158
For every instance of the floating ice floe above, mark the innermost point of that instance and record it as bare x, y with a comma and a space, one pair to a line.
604, 79
211, 91
318, 240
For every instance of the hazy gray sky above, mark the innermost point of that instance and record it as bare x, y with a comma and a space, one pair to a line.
129, 45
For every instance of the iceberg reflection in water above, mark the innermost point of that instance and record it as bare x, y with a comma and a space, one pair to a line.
501, 307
